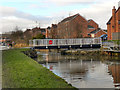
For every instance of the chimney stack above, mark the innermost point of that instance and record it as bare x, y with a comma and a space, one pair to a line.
113, 11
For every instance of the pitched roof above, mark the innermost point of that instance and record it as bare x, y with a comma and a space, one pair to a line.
89, 26
69, 18
97, 30
89, 20
109, 21
112, 16
117, 10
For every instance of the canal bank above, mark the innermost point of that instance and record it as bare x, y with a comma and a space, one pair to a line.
20, 71
83, 71
90, 52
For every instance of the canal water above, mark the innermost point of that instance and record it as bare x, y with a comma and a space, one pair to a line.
83, 71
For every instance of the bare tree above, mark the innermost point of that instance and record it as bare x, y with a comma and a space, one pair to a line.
16, 35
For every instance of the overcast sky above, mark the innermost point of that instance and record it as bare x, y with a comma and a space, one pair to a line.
25, 13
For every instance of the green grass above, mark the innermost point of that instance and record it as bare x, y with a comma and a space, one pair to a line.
20, 71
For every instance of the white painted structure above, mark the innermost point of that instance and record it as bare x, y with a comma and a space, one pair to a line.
59, 42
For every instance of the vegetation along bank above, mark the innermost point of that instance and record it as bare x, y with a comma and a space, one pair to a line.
20, 71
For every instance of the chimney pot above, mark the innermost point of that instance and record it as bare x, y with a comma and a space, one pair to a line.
113, 7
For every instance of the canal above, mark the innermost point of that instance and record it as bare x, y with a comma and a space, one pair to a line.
83, 71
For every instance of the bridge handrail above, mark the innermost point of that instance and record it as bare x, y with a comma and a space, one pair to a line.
57, 42
110, 44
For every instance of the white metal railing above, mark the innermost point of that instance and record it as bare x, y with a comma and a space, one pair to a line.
110, 44
58, 42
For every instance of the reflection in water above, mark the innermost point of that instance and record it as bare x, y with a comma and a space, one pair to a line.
83, 72
115, 71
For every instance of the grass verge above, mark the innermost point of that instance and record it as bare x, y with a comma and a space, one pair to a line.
20, 71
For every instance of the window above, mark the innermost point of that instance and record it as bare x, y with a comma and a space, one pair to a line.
90, 27
119, 22
112, 26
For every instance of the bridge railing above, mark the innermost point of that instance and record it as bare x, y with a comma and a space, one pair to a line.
58, 42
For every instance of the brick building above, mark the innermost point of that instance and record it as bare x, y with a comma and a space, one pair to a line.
53, 31
34, 31
47, 35
113, 25
74, 26
92, 25
97, 33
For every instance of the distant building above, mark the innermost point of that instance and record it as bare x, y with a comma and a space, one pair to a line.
92, 25
97, 33
53, 31
48, 32
38, 30
113, 25
74, 26
4, 38
34, 31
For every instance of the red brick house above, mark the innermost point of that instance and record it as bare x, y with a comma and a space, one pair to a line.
113, 25
97, 33
92, 25
74, 26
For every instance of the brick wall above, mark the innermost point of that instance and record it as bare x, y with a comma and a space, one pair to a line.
99, 33
74, 28
53, 31
117, 21
109, 32
93, 23
80, 27
113, 24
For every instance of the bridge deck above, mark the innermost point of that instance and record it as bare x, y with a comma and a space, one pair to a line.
64, 43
